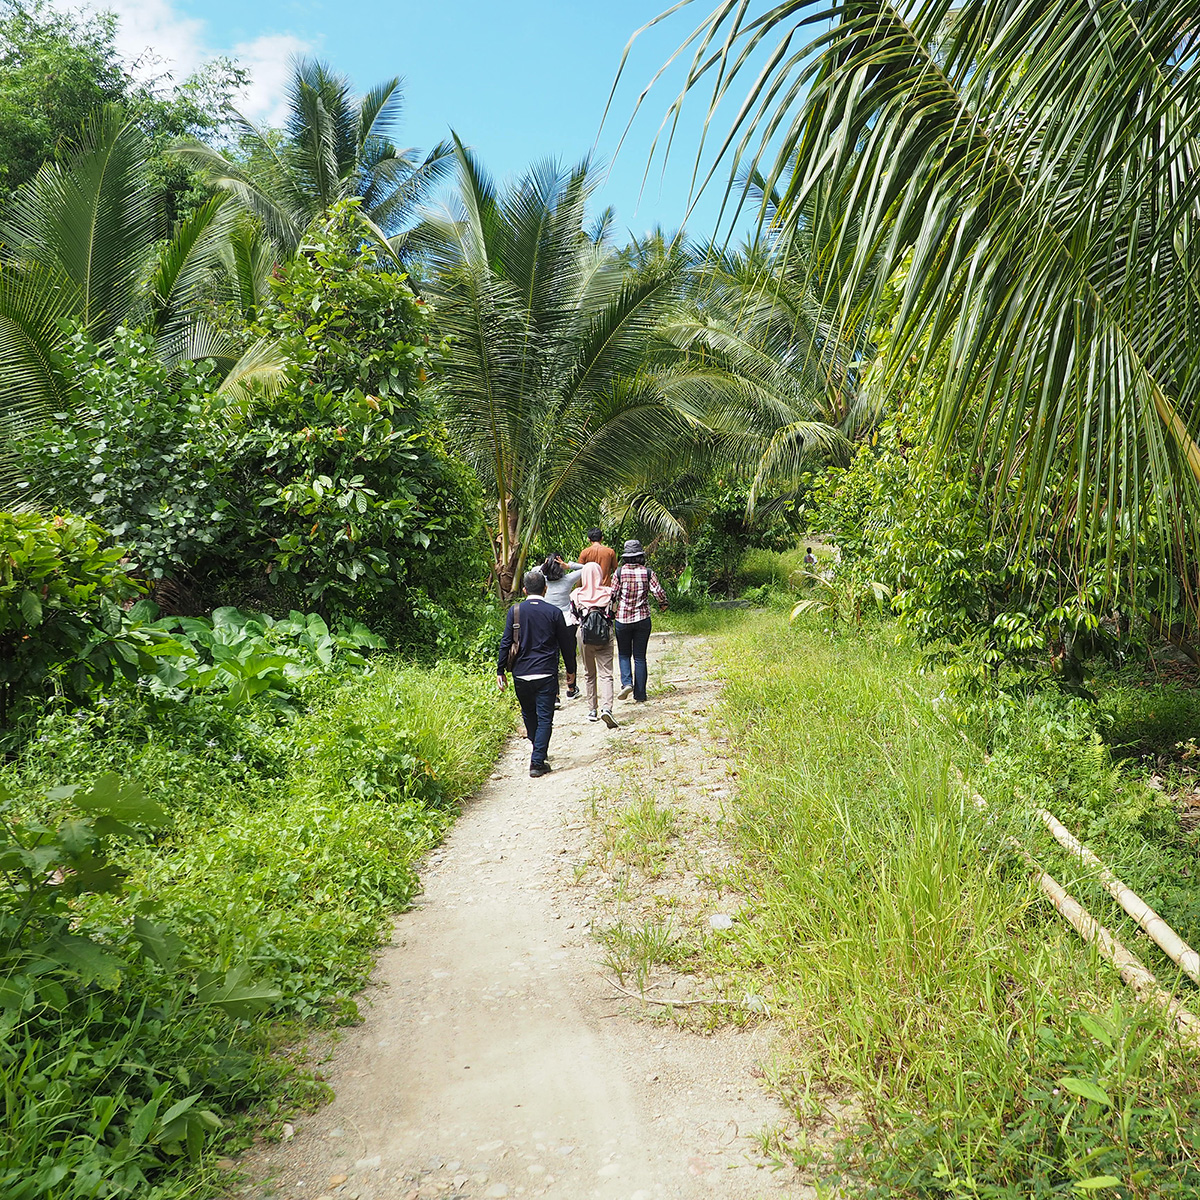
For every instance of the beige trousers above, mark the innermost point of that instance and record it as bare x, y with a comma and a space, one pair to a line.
598, 661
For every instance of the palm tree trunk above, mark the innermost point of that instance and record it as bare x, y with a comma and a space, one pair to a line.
509, 551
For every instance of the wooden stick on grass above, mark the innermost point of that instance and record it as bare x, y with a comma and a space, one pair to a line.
1132, 970
1171, 944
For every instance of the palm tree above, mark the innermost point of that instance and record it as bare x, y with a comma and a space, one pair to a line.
548, 393
85, 242
775, 356
333, 147
1027, 176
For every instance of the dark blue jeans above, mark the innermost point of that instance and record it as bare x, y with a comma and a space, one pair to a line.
632, 639
536, 698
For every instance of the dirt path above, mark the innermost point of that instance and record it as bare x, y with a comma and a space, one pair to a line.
496, 1057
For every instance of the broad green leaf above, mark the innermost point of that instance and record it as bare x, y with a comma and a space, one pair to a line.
1099, 1031
1096, 1182
179, 1108
1086, 1090
143, 1123
31, 608
110, 796
160, 944
81, 956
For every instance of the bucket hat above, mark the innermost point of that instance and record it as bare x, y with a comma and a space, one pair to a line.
633, 549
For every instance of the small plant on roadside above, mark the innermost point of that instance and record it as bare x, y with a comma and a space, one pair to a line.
642, 834
635, 950
844, 597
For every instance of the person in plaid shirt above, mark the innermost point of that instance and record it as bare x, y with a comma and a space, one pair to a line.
632, 586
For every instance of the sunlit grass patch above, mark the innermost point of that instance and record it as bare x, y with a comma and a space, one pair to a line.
919, 968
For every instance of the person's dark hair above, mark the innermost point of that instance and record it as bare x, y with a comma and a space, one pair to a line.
534, 583
595, 535
552, 568
807, 549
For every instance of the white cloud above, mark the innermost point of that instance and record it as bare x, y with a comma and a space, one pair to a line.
158, 39
268, 59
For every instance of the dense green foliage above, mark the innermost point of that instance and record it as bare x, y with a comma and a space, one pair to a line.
56, 69
1028, 206
337, 494
254, 863
61, 627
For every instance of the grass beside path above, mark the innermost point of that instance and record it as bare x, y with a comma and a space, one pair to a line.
289, 846
951, 1036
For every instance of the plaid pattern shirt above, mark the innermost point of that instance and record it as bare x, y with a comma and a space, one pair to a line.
632, 585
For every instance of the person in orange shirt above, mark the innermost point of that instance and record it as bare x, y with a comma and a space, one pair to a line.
605, 557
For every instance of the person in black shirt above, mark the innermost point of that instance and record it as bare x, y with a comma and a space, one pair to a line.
542, 637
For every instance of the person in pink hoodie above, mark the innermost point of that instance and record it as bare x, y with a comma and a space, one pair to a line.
590, 603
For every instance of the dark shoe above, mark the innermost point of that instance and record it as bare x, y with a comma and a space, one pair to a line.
557, 703
538, 772
572, 693
609, 719
592, 716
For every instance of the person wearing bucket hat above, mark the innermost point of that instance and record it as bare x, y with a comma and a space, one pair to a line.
632, 586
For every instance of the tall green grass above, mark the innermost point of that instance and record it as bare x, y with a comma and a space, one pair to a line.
959, 1027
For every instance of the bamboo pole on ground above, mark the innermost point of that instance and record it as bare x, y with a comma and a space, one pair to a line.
1131, 969
1133, 972
1171, 944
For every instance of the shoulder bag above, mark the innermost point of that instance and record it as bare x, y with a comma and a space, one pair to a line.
514, 647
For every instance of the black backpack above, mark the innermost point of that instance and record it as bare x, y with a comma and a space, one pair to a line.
597, 630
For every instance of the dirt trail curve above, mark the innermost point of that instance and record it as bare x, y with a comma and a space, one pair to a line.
495, 1058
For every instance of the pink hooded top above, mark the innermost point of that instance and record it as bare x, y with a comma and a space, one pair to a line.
591, 592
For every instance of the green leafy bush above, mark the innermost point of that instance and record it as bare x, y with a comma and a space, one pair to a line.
242, 656
288, 845
143, 455
338, 495
61, 625
719, 545
360, 502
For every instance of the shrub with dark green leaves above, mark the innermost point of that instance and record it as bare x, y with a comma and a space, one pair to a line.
337, 495
61, 625
360, 506
141, 455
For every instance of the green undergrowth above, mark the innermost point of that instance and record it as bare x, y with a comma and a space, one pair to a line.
961, 1038
1066, 757
254, 911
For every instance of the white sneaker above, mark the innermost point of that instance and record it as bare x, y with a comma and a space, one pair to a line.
592, 717
625, 692
608, 719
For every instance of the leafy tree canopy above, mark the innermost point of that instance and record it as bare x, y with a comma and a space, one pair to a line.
56, 70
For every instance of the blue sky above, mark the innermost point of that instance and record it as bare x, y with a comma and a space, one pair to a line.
519, 80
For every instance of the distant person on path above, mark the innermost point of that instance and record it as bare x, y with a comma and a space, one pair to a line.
561, 579
632, 584
597, 552
810, 559
591, 603
541, 637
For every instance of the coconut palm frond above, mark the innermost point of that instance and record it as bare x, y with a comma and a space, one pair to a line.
1026, 176
336, 147
91, 222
